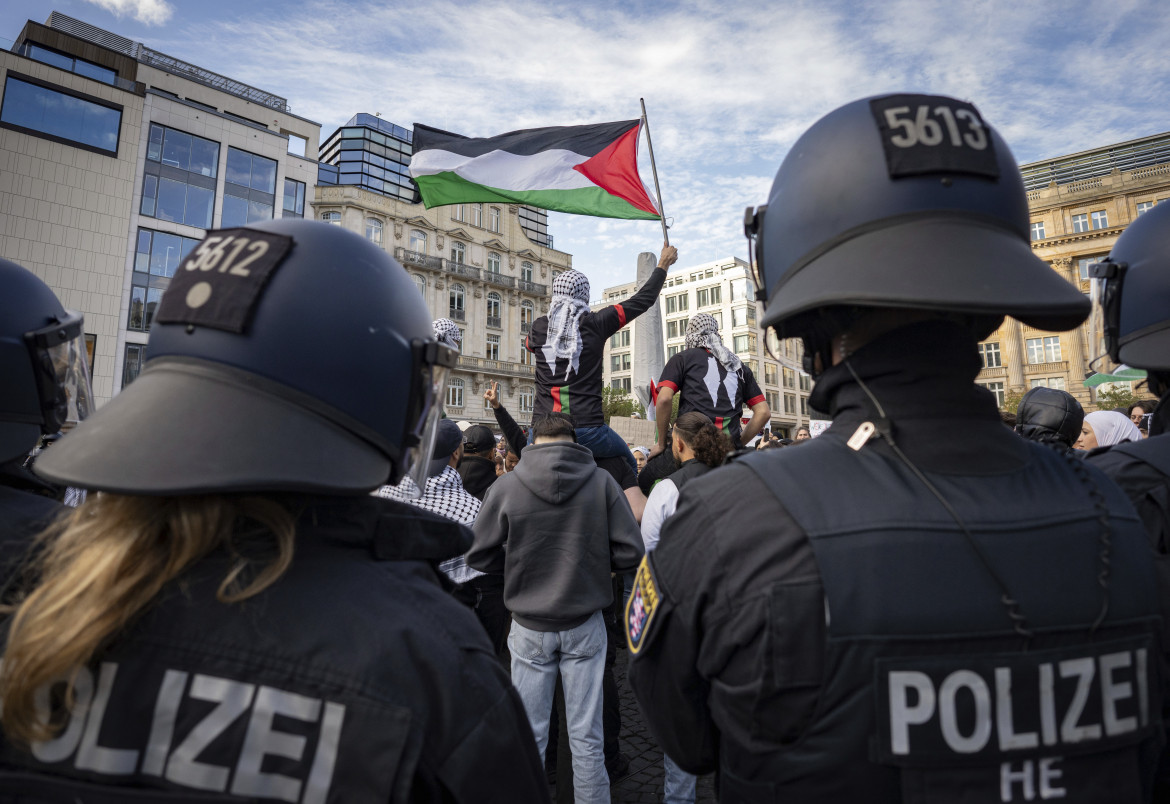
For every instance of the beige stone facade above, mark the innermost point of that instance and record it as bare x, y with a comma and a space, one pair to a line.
474, 266
722, 288
1079, 206
75, 215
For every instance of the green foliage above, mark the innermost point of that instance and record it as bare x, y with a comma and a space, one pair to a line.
1120, 396
617, 402
1011, 401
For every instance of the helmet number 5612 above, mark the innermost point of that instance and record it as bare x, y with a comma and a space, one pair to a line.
922, 127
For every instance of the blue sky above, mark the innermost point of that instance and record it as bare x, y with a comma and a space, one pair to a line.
728, 87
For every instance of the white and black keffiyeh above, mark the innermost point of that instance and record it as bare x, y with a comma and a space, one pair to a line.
446, 332
570, 300
445, 496
703, 333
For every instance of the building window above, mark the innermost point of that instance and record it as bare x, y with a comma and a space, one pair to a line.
743, 316
996, 388
619, 362
804, 406
1144, 207
526, 399
249, 188
676, 304
621, 384
459, 213
989, 354
1038, 230
135, 355
494, 219
58, 114
620, 338
1048, 382
455, 393
676, 328
493, 262
526, 357
294, 199
742, 289
526, 271
456, 298
66, 62
418, 241
374, 231
805, 381
671, 351
745, 344
492, 347
1100, 219
458, 251
179, 184
705, 297
773, 399
789, 377
771, 374
331, 217
493, 309
527, 313
1083, 264
462, 339
477, 214
1080, 223
1043, 350
790, 403
156, 257
421, 283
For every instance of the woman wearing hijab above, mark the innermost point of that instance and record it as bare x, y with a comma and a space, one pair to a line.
569, 344
711, 380
1106, 428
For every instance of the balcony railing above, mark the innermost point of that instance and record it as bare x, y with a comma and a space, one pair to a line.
459, 268
494, 321
532, 287
405, 256
495, 366
458, 315
1041, 368
496, 278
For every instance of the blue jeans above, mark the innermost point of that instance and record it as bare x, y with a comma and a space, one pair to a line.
579, 655
679, 786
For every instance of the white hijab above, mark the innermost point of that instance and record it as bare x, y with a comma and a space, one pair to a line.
1111, 427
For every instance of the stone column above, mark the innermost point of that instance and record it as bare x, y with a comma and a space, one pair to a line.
1077, 362
1013, 348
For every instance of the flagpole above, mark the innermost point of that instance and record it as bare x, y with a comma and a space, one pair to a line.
654, 170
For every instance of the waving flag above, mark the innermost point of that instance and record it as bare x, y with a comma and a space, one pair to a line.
583, 170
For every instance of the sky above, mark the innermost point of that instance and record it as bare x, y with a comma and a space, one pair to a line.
728, 86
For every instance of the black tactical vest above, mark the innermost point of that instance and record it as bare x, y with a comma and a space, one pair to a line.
929, 694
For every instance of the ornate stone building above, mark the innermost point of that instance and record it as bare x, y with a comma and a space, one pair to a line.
488, 267
1079, 205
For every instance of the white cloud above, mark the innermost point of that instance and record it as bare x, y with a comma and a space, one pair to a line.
151, 12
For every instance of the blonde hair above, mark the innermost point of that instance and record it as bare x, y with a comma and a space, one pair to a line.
98, 568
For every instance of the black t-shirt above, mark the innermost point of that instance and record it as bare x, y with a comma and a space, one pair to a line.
559, 389
707, 387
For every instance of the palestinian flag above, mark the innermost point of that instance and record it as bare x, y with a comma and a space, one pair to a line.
583, 170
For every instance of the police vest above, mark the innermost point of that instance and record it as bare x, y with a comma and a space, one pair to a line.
928, 693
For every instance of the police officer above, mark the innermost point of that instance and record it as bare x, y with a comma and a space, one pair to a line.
235, 616
44, 382
917, 605
1132, 318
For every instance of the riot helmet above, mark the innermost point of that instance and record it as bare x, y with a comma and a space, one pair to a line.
287, 355
44, 375
1131, 291
903, 201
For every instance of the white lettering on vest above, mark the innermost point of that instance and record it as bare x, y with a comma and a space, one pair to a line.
1083, 669
90, 755
902, 714
1114, 691
1047, 704
262, 740
948, 714
234, 698
1004, 720
63, 746
328, 741
162, 729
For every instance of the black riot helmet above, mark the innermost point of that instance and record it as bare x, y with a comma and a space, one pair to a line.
1132, 290
289, 355
906, 201
44, 378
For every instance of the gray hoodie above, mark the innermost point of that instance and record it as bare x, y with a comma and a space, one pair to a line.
566, 526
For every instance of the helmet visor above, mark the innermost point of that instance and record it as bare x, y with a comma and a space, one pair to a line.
1105, 279
432, 379
62, 372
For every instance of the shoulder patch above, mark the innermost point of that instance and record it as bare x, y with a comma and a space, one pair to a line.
641, 606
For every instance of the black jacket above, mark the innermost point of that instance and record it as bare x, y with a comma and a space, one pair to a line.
733, 661
356, 677
478, 474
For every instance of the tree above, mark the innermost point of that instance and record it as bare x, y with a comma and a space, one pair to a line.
618, 402
1119, 396
1011, 400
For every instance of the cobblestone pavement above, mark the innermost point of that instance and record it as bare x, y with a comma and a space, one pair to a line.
643, 782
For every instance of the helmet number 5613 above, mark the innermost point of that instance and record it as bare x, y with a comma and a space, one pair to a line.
922, 127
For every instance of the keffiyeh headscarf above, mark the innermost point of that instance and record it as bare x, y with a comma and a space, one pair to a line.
570, 300
446, 332
703, 333
1111, 427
